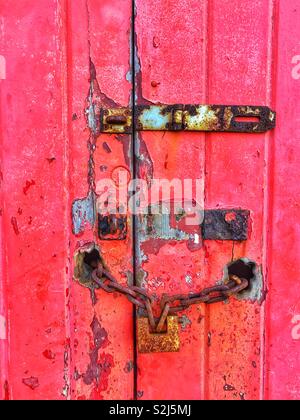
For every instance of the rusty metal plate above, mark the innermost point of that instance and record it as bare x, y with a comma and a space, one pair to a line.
217, 224
116, 120
168, 342
112, 227
226, 225
210, 118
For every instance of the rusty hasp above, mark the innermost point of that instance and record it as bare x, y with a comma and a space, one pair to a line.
116, 120
210, 118
162, 335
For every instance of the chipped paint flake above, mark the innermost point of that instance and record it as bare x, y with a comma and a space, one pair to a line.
152, 118
185, 322
158, 227
83, 213
3, 335
2, 68
31, 382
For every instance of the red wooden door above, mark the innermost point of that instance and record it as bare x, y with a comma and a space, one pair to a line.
61, 62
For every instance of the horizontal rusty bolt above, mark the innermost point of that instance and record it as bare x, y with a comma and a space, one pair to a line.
116, 120
223, 118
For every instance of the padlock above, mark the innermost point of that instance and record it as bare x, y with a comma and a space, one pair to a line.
166, 342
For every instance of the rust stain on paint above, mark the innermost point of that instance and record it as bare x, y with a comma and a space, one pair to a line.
28, 185
48, 354
228, 387
100, 365
31, 382
106, 362
106, 147
15, 226
129, 367
140, 394
6, 391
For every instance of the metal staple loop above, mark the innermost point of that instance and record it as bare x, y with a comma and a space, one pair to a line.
170, 305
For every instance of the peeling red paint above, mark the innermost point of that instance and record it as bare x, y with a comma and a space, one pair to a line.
153, 246
48, 354
105, 363
95, 369
28, 185
31, 382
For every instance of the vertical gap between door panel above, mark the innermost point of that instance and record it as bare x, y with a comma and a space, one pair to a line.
66, 56
134, 241
271, 91
206, 91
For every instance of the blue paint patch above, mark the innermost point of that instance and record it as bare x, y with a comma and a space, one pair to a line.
129, 76
83, 213
153, 118
92, 120
161, 229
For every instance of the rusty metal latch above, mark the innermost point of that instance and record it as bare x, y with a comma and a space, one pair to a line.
209, 118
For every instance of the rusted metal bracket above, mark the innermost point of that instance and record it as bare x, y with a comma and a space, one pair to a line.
226, 225
218, 224
209, 118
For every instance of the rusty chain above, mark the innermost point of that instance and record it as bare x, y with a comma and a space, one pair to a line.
170, 305
91, 163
